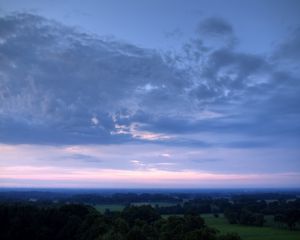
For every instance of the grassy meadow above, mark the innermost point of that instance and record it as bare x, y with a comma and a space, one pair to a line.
119, 207
153, 204
112, 207
246, 232
249, 232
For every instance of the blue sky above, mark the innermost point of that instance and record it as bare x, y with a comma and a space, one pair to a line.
149, 94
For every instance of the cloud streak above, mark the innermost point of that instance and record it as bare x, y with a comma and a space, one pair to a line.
154, 178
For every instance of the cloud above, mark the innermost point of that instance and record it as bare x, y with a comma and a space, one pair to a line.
289, 48
61, 86
85, 158
52, 177
215, 27
217, 30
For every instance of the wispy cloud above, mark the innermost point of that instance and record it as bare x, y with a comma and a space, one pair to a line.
155, 178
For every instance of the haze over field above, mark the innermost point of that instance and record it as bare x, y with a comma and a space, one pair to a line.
140, 94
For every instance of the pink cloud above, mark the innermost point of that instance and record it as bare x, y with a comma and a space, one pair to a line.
141, 177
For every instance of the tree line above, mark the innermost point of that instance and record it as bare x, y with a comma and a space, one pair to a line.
82, 222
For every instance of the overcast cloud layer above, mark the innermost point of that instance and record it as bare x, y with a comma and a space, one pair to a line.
203, 107
59, 85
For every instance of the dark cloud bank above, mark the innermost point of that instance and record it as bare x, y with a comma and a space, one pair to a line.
59, 85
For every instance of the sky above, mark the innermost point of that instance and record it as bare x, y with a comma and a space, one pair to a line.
150, 94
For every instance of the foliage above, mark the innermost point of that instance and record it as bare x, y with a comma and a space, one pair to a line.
80, 222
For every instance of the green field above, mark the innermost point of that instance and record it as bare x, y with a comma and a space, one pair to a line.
246, 232
250, 233
120, 207
112, 207
153, 204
